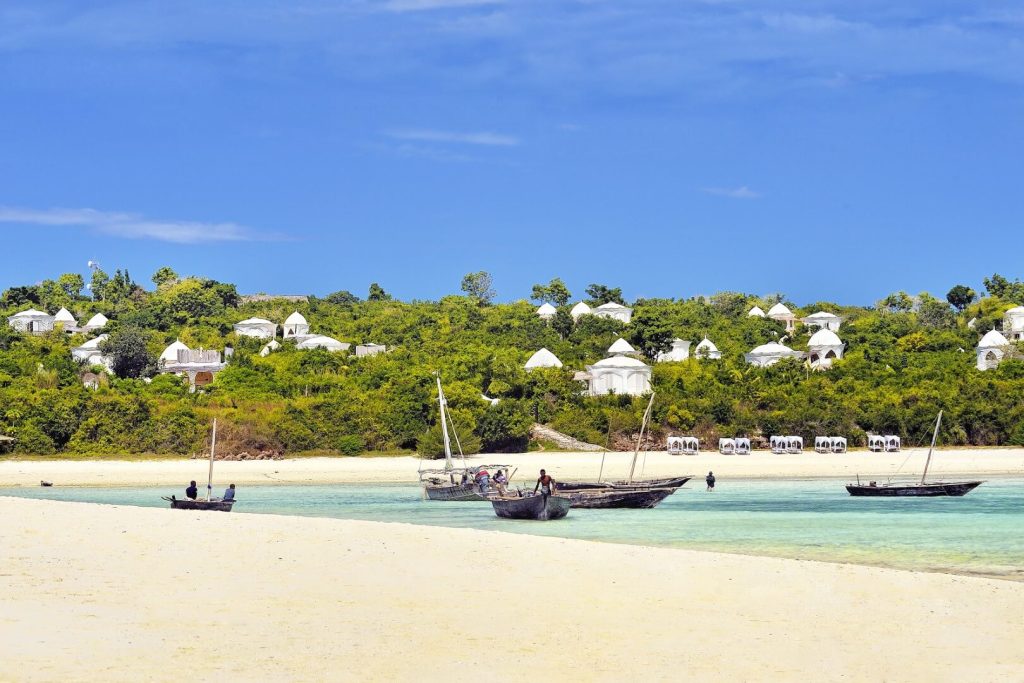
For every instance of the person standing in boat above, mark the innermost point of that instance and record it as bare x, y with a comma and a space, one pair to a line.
192, 492
500, 481
483, 478
229, 493
710, 480
545, 483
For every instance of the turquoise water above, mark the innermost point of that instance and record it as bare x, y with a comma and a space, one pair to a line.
982, 533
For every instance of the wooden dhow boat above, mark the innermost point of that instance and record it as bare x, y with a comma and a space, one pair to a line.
211, 503
540, 507
923, 488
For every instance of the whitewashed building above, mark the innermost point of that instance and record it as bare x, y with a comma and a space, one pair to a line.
771, 353
31, 321
680, 351
614, 311
64, 317
269, 348
89, 353
543, 359
1013, 323
991, 350
621, 347
546, 311
199, 365
371, 349
257, 328
323, 342
580, 309
755, 312
823, 347
707, 349
783, 315
295, 325
823, 320
96, 322
618, 375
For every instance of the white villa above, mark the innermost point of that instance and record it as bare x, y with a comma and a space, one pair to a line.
64, 317
1013, 323
543, 359
622, 347
614, 311
89, 353
96, 322
707, 349
546, 311
580, 309
32, 321
755, 312
680, 351
823, 321
783, 315
199, 365
770, 354
823, 347
295, 325
269, 348
992, 348
618, 374
321, 342
257, 328
371, 349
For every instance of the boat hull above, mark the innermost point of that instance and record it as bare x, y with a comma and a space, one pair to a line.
671, 482
459, 493
540, 508
955, 488
189, 504
619, 498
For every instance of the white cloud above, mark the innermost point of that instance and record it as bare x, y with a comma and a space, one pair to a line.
131, 226
428, 135
741, 192
424, 5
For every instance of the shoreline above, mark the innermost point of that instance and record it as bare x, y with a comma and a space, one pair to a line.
303, 598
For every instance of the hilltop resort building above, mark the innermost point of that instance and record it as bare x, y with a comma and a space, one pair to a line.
823, 347
199, 365
619, 373
32, 321
706, 349
295, 325
543, 359
257, 328
783, 315
992, 348
546, 311
580, 309
614, 311
1013, 324
770, 354
680, 351
823, 321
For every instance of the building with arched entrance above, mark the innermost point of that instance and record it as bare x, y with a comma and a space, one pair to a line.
31, 322
199, 365
824, 347
991, 350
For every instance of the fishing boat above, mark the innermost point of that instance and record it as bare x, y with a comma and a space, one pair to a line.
540, 507
923, 488
211, 503
451, 484
669, 482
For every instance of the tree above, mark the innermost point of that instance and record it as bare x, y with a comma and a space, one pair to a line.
960, 297
554, 293
562, 323
601, 294
999, 286
128, 353
377, 293
934, 313
479, 287
651, 334
98, 284
20, 296
164, 275
342, 298
72, 284
898, 302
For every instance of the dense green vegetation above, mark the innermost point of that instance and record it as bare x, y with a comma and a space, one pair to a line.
903, 363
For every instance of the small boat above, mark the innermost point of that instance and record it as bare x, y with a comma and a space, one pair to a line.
636, 498
45, 483
540, 507
670, 483
923, 488
211, 503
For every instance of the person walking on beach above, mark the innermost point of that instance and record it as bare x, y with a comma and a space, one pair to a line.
710, 479
191, 492
545, 483
229, 493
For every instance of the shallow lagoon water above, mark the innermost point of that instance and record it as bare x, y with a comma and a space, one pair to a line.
982, 533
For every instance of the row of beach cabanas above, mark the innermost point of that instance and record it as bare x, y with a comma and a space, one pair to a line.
792, 444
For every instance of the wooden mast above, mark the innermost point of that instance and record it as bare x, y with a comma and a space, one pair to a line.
209, 477
640, 437
444, 427
935, 435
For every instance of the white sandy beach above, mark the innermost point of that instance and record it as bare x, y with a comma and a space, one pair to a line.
95, 592
566, 466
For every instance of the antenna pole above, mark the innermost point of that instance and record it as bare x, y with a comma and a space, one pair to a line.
935, 435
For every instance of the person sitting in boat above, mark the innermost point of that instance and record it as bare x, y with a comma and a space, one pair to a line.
545, 483
229, 493
483, 478
500, 481
465, 476
191, 492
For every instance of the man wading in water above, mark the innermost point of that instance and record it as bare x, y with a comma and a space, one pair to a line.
710, 479
545, 483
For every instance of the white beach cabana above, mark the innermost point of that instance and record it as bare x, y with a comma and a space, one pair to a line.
742, 445
546, 311
680, 351
822, 444
64, 317
269, 348
892, 443
781, 313
618, 374
614, 311
96, 322
621, 347
823, 347
991, 350
838, 444
543, 359
257, 328
823, 320
727, 446
683, 445
876, 443
295, 325
794, 444
1013, 323
323, 342
371, 349
770, 354
707, 350
31, 321
777, 444
580, 309
755, 312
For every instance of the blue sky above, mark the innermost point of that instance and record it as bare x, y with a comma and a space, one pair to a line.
826, 150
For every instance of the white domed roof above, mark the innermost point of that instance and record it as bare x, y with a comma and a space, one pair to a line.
295, 319
611, 306
31, 313
779, 309
98, 320
254, 321
64, 316
621, 346
992, 338
95, 343
543, 359
824, 337
546, 309
771, 349
619, 362
1016, 310
580, 309
755, 312
707, 344
170, 354
323, 342
822, 315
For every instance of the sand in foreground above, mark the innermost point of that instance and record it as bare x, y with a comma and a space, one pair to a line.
111, 593
979, 463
